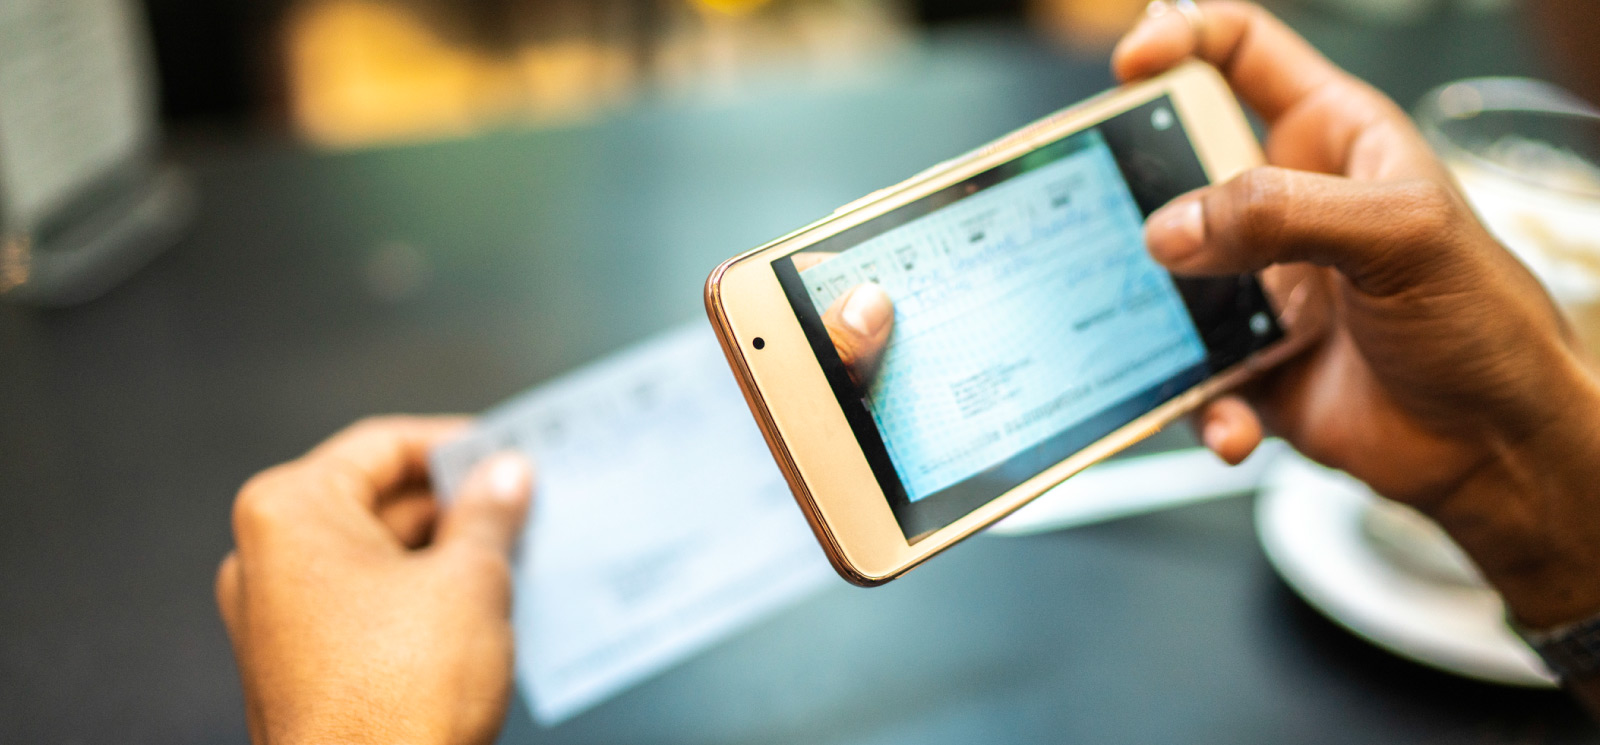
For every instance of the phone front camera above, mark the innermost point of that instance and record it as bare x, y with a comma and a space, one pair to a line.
759, 343
1161, 119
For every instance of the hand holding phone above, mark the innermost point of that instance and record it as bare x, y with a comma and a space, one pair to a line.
1031, 333
1446, 378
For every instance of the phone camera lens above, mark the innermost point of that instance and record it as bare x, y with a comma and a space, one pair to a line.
1161, 119
1259, 323
759, 343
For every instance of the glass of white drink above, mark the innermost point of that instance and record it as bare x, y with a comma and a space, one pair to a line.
1527, 156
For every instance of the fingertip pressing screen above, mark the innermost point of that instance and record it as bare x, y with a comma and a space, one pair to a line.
1029, 319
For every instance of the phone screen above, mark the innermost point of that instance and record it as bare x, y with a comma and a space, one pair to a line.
1030, 321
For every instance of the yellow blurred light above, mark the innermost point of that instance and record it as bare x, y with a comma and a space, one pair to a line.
731, 7
369, 71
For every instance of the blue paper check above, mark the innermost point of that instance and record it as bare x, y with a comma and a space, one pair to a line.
661, 522
1020, 311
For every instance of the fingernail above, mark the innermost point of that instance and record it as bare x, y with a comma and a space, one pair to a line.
507, 476
867, 310
1176, 232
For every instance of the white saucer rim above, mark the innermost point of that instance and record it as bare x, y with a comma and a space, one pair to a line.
1284, 497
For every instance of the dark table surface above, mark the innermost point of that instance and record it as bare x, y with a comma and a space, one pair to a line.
317, 288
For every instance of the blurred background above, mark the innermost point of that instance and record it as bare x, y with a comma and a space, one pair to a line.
357, 72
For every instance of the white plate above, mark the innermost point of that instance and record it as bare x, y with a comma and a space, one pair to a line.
1309, 520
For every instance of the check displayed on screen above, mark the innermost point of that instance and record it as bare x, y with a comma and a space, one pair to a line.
1020, 312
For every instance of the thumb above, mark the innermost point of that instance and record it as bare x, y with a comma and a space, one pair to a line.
492, 505
1382, 236
859, 323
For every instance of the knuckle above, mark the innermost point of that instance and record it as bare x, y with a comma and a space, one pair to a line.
266, 501
1419, 240
338, 476
1257, 201
1431, 210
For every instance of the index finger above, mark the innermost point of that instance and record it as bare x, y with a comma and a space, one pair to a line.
1273, 70
382, 454
1270, 66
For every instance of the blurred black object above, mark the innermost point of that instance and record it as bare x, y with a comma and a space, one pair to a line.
946, 11
214, 59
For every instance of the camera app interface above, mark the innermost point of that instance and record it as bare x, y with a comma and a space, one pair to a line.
1019, 312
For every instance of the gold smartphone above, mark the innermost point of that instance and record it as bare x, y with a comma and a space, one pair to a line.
1033, 335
